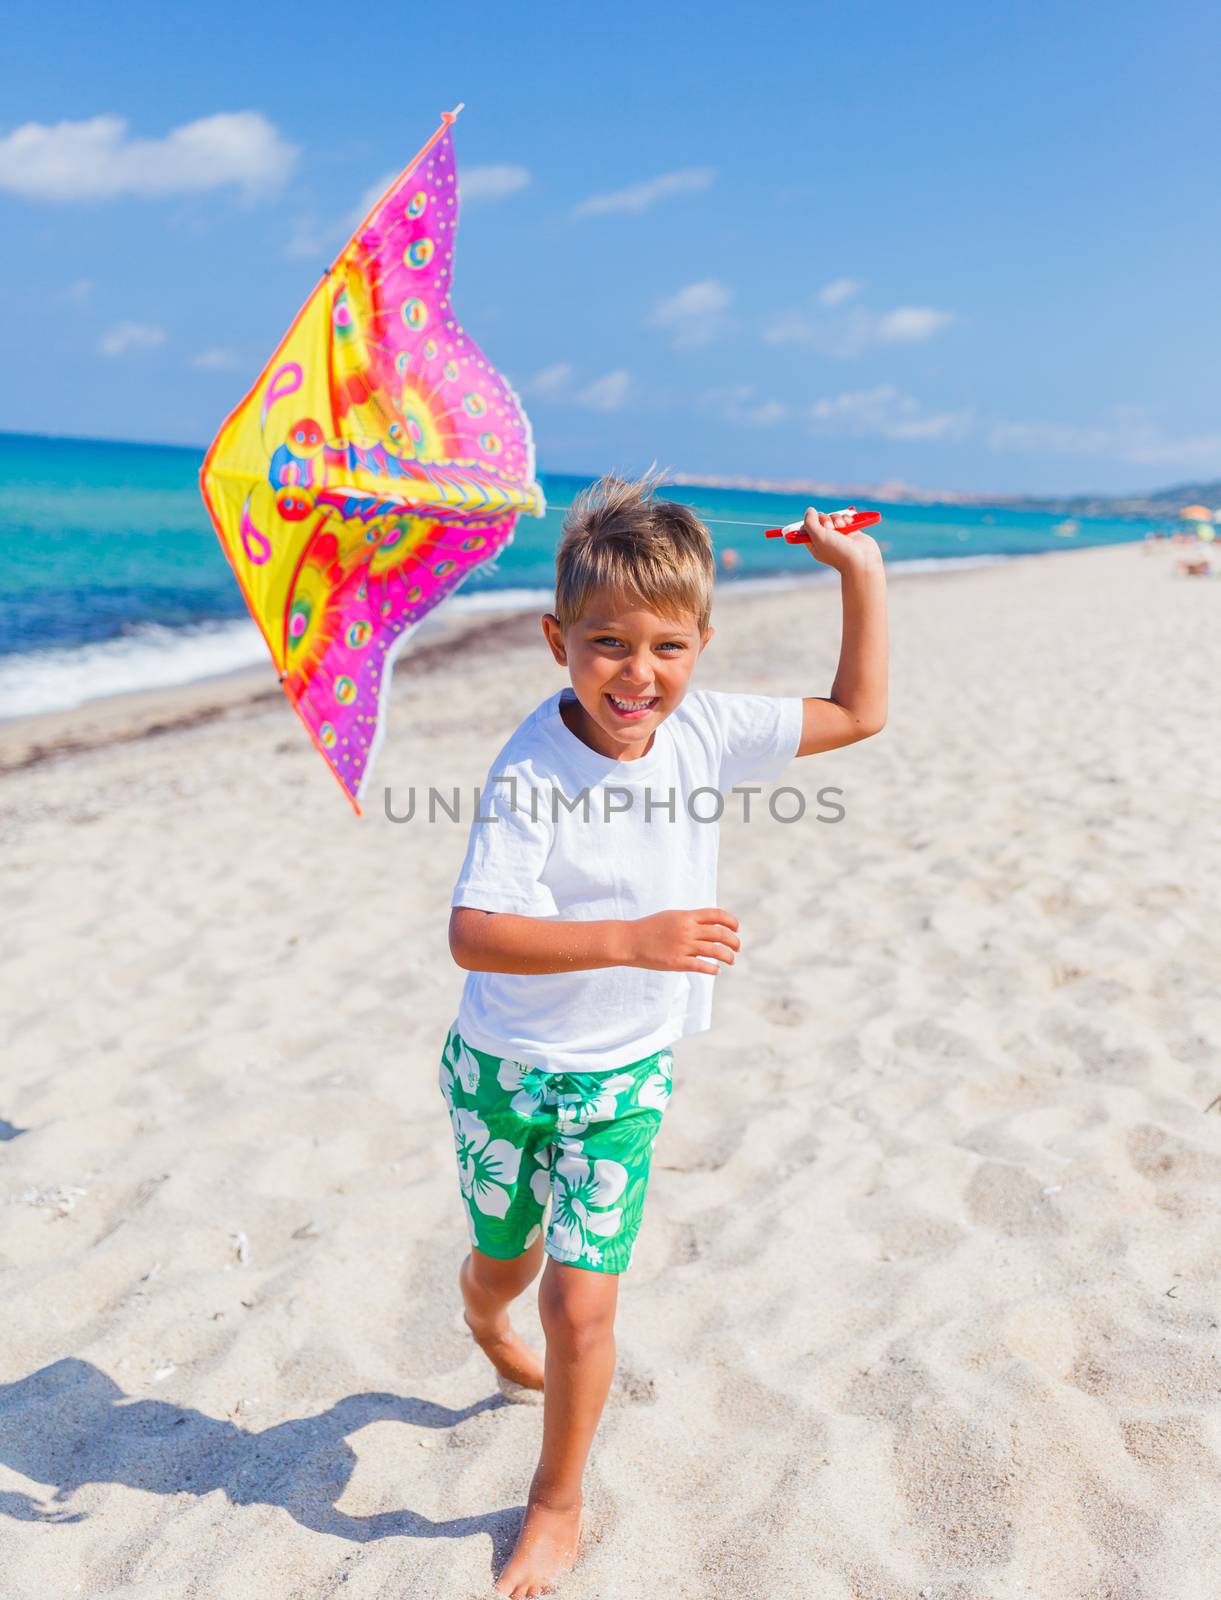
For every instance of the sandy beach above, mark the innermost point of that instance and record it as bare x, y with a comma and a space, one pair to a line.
925, 1300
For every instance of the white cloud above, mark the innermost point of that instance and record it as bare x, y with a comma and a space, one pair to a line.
839, 290
1197, 447
791, 327
884, 412
491, 183
694, 315
125, 336
1056, 438
80, 291
369, 199
696, 300
1127, 434
96, 160
840, 335
740, 405
640, 196
608, 393
766, 414
911, 324
309, 240
551, 380
854, 330
216, 360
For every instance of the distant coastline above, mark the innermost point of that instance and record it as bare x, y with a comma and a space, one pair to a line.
1155, 503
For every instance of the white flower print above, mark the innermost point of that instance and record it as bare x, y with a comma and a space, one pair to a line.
534, 1087
532, 1236
656, 1088
457, 1061
540, 1181
485, 1165
596, 1101
584, 1207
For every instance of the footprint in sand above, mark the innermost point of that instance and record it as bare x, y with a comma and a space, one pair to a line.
686, 1245
786, 1011
934, 1042
1162, 1157
1011, 1201
1043, 1333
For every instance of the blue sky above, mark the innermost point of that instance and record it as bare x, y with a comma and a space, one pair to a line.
962, 246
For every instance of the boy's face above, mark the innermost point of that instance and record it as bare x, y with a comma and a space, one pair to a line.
629, 667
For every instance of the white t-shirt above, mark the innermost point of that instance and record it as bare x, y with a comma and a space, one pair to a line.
582, 837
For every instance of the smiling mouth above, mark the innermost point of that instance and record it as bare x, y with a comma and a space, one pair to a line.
632, 710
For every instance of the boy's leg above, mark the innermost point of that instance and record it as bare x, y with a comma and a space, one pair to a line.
607, 1123
488, 1287
577, 1309
502, 1118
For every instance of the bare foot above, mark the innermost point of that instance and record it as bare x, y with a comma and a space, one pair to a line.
546, 1548
506, 1350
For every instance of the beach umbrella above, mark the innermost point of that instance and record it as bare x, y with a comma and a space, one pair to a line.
378, 460
1196, 514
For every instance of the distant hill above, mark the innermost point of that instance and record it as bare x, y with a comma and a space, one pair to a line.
1157, 504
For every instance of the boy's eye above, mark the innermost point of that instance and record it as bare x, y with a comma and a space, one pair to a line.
669, 644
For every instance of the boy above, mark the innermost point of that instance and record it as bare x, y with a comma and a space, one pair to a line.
582, 915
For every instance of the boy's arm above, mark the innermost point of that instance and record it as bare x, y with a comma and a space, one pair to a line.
501, 941
856, 707
665, 941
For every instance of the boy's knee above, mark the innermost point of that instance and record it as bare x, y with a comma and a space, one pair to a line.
578, 1304
502, 1278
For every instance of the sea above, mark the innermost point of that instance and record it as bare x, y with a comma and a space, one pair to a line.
116, 581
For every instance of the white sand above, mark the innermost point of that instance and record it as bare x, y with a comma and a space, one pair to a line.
925, 1301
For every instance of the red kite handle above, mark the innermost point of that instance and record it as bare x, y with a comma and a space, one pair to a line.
794, 533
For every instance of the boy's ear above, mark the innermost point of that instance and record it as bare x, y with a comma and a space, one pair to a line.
554, 635
708, 633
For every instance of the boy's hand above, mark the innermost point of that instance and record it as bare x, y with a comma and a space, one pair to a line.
683, 941
846, 552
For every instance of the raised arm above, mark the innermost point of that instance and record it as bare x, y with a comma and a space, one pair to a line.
666, 941
856, 707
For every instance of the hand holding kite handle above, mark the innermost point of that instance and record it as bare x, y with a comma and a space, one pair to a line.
794, 532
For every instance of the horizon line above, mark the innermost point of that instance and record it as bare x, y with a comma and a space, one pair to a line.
752, 484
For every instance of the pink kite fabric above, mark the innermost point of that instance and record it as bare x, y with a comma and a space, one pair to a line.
377, 462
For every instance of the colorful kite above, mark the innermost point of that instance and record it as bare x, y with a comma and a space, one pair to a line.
378, 460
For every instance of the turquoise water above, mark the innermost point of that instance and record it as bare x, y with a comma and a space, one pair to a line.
115, 579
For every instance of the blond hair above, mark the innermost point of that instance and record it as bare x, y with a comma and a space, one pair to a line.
618, 538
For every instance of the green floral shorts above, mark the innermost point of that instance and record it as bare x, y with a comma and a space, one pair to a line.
584, 1140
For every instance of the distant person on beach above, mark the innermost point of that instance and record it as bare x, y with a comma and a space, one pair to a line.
585, 916
729, 560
